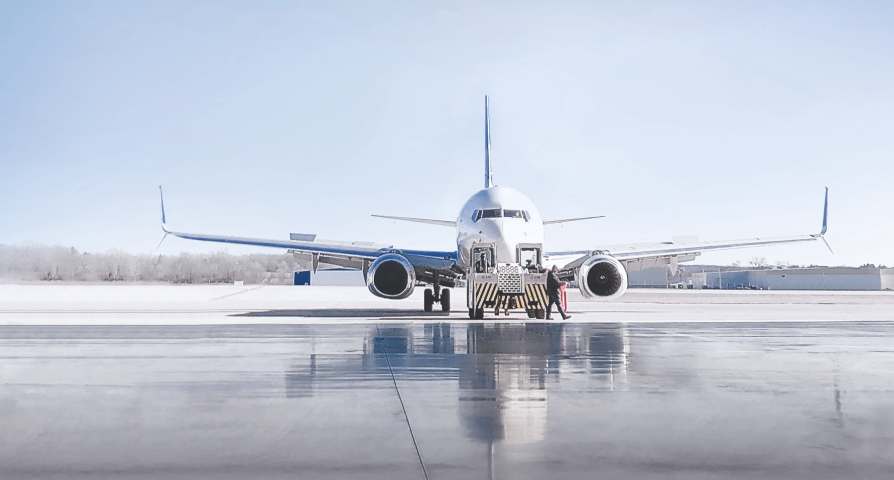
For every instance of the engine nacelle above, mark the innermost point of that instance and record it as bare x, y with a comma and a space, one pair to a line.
391, 276
602, 278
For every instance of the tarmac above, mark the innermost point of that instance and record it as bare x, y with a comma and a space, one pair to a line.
196, 382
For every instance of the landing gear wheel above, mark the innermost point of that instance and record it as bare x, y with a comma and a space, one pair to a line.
428, 300
445, 300
539, 314
476, 313
531, 313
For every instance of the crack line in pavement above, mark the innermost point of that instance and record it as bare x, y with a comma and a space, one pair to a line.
237, 293
407, 418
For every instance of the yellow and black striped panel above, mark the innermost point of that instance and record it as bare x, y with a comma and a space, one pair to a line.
536, 293
485, 293
503, 302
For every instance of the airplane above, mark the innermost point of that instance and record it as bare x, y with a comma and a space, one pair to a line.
499, 236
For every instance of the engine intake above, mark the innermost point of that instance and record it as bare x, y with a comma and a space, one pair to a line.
391, 276
602, 278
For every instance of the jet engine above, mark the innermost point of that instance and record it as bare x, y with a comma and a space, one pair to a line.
602, 278
391, 276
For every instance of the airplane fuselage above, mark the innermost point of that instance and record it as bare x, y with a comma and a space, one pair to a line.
502, 216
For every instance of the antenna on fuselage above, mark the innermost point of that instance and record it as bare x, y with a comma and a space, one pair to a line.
488, 172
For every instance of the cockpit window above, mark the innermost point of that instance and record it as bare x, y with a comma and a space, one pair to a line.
497, 213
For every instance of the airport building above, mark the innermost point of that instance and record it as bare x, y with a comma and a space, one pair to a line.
652, 278
341, 277
817, 278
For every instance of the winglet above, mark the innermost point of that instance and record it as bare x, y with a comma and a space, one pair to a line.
488, 172
825, 223
163, 221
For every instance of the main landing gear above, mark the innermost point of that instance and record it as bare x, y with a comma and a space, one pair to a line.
432, 296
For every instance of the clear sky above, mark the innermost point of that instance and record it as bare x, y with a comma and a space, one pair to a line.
718, 119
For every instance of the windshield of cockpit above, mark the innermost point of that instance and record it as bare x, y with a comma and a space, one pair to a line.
500, 213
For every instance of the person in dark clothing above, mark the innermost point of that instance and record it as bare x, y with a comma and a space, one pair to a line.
481, 264
553, 286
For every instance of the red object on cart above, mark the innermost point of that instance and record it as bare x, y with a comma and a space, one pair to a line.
563, 297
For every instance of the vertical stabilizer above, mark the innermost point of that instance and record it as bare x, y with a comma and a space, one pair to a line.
488, 173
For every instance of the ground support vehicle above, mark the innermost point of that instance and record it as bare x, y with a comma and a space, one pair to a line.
509, 288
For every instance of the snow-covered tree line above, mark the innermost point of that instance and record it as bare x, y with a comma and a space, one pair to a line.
37, 262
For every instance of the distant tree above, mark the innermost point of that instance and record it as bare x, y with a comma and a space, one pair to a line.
35, 262
867, 265
758, 263
737, 264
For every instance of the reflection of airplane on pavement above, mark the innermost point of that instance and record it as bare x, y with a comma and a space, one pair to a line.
502, 370
499, 240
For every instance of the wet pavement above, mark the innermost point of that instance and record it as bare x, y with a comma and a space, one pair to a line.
448, 401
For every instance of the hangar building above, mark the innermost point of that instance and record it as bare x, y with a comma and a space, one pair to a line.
818, 278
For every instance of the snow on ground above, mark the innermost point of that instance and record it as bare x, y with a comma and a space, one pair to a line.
154, 304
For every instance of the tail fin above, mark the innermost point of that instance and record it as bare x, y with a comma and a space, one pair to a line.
488, 172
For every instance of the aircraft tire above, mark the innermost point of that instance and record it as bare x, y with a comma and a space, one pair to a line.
540, 314
428, 300
445, 300
531, 313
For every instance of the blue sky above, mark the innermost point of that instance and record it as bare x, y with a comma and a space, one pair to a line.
718, 119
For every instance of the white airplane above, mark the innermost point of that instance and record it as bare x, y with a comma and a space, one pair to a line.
498, 231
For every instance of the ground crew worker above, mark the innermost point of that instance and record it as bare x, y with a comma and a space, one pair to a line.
553, 287
481, 264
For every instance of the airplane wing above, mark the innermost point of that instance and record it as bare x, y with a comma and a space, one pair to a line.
645, 256
357, 255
